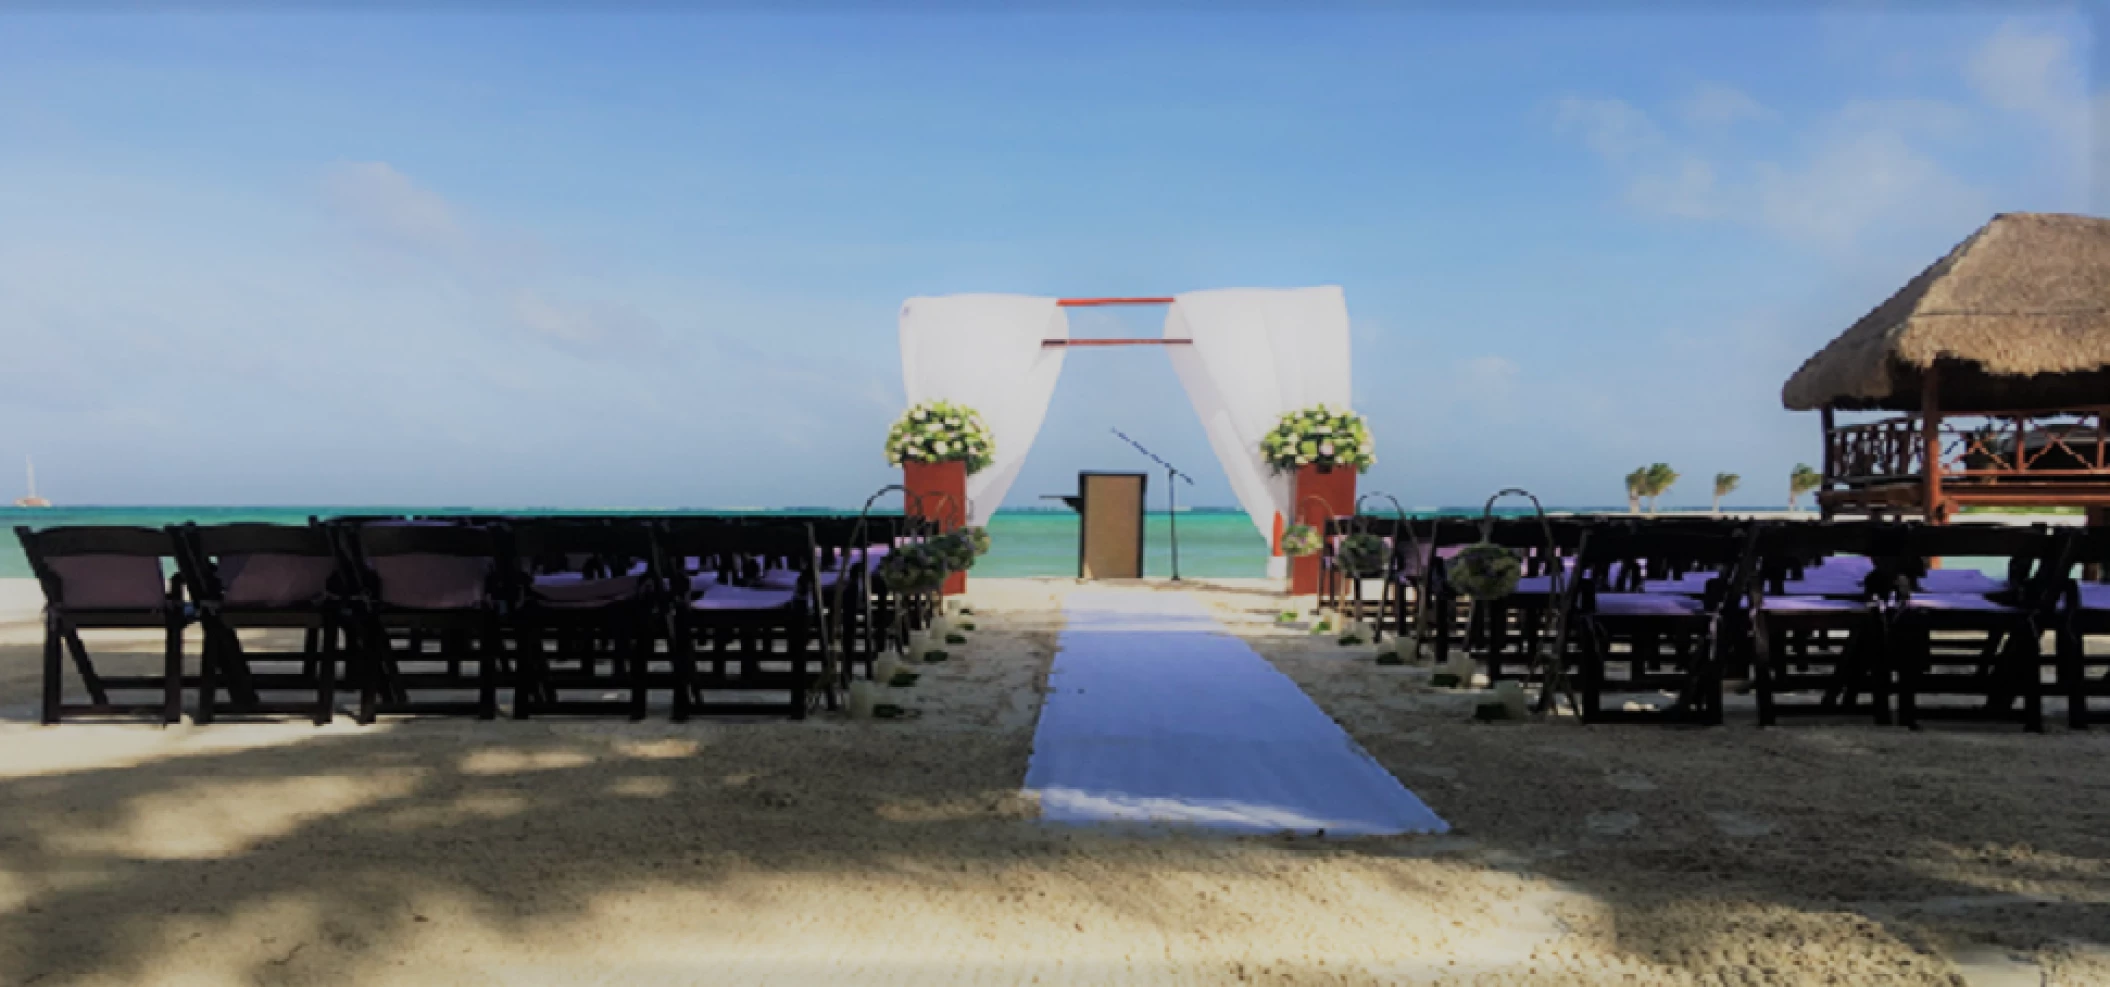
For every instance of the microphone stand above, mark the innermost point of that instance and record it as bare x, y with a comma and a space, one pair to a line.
1172, 516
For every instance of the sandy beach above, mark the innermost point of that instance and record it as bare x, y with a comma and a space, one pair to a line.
830, 851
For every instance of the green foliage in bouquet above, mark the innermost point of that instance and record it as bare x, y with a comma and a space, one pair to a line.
941, 432
954, 549
1318, 436
1361, 555
921, 567
1299, 540
914, 568
1484, 571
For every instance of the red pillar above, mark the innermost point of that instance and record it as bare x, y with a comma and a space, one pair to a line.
939, 491
1322, 493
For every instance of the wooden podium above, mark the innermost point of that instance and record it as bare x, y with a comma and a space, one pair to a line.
1109, 525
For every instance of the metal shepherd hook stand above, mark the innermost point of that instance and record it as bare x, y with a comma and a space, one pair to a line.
1550, 665
1172, 513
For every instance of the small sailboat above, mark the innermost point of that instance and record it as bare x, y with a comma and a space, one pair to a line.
32, 500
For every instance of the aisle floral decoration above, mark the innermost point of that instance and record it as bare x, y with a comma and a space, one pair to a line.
914, 569
941, 432
1362, 555
1318, 436
1484, 571
922, 566
1299, 540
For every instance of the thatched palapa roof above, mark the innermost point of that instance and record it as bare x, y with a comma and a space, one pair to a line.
2018, 315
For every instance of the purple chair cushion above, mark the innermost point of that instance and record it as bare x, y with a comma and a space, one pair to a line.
1827, 584
271, 580
1946, 581
743, 598
1956, 603
786, 579
1843, 565
1534, 586
1810, 604
419, 581
1646, 605
110, 582
2095, 596
571, 589
1690, 584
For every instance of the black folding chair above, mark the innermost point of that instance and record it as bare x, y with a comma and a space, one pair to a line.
1673, 642
108, 578
748, 620
1438, 609
847, 555
2084, 613
1818, 623
1982, 645
421, 583
264, 577
1511, 630
583, 602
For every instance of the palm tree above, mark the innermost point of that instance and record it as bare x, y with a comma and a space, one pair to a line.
1660, 479
1724, 485
1803, 480
1636, 488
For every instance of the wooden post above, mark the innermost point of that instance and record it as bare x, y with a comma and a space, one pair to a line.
2098, 517
1824, 509
1930, 431
939, 491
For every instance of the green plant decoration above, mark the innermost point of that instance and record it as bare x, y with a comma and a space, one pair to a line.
1361, 555
1484, 571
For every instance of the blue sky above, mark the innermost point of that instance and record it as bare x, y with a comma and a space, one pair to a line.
655, 258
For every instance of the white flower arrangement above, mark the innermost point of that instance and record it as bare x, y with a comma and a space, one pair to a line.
1318, 436
941, 432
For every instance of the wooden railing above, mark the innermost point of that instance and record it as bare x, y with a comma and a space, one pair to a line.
2047, 445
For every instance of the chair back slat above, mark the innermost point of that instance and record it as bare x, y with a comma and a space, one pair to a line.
267, 566
422, 566
96, 567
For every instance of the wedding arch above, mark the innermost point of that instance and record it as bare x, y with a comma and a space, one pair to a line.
1245, 356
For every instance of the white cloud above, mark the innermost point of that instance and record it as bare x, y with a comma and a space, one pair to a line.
1614, 128
375, 199
1685, 188
1865, 167
1488, 384
1491, 373
1717, 105
581, 325
1857, 182
500, 274
1912, 117
2035, 74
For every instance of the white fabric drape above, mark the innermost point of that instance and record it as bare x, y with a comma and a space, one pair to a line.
1257, 353
984, 351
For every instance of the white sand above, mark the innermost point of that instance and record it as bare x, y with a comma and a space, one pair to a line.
450, 852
